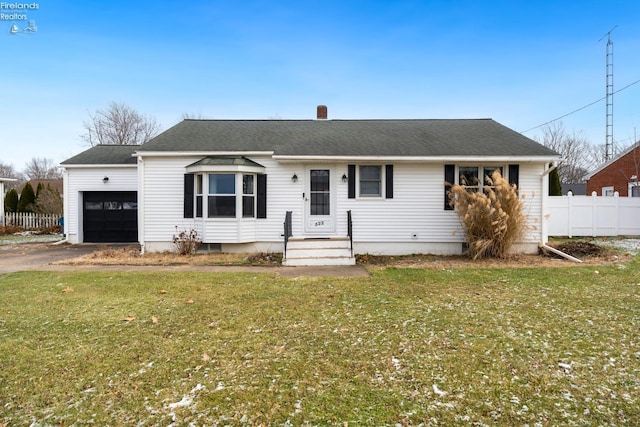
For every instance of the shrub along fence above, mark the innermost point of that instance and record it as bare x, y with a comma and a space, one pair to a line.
594, 216
29, 220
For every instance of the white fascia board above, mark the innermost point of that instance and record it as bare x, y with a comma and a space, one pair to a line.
8, 179
98, 166
413, 159
201, 153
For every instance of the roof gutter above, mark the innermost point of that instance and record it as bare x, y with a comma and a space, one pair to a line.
433, 159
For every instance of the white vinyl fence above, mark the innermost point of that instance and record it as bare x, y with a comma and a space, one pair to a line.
593, 216
29, 221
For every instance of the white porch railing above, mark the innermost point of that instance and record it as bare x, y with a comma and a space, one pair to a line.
29, 221
593, 216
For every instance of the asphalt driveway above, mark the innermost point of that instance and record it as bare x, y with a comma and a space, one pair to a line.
33, 256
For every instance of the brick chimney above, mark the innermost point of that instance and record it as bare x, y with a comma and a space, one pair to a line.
322, 112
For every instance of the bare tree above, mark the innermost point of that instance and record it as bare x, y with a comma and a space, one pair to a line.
597, 155
193, 116
574, 149
119, 125
41, 168
7, 171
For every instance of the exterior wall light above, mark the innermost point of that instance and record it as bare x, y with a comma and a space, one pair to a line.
294, 178
105, 179
344, 177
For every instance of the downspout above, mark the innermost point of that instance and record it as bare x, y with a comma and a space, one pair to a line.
545, 234
544, 187
557, 252
141, 204
65, 207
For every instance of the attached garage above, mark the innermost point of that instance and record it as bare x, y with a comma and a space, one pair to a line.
101, 195
110, 216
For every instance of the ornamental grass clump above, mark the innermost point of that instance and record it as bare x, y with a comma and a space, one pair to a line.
492, 219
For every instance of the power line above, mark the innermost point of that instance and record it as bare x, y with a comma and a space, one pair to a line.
579, 109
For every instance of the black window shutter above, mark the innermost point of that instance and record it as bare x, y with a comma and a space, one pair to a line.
351, 173
388, 176
262, 196
189, 180
449, 180
514, 174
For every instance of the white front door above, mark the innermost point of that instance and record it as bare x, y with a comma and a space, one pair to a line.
319, 201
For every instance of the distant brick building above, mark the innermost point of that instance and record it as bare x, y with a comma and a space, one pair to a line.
620, 174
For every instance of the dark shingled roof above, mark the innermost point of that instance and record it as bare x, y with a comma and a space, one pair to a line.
226, 160
430, 137
105, 155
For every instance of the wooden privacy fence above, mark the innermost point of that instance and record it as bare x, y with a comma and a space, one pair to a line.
593, 215
30, 221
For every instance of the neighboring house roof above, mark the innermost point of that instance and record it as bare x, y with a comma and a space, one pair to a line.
105, 155
428, 138
605, 165
577, 189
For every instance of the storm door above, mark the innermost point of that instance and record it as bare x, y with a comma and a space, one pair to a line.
319, 201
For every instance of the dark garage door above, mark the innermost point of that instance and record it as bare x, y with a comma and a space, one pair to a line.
110, 216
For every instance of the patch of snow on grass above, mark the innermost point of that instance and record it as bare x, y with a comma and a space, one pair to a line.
186, 401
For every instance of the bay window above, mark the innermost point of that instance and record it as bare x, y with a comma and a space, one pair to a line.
223, 187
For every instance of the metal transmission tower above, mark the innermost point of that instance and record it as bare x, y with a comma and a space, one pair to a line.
609, 145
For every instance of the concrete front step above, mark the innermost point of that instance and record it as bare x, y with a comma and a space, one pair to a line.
324, 261
316, 252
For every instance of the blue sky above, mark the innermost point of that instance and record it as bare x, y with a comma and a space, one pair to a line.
521, 63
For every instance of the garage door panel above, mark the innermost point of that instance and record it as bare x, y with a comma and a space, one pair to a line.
110, 216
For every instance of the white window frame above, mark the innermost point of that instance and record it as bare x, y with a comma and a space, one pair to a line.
199, 195
229, 195
254, 182
608, 191
239, 195
380, 186
481, 175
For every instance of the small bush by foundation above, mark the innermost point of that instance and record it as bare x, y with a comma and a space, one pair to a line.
186, 242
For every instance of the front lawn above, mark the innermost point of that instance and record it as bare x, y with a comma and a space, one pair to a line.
527, 346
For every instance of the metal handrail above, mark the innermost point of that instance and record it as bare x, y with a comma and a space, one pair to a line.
350, 230
287, 231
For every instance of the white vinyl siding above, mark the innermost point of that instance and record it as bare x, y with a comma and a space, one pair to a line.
78, 180
413, 216
164, 196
